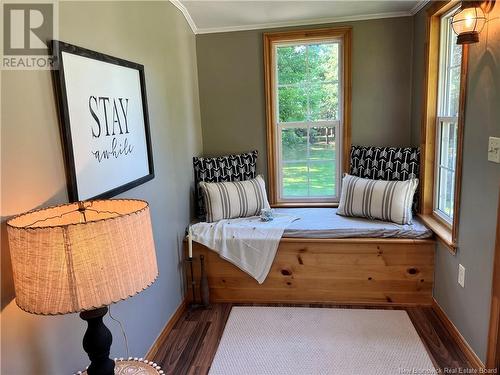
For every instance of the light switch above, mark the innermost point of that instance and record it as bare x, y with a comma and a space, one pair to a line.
461, 275
494, 150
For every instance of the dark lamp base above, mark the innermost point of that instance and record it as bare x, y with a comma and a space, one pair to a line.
97, 343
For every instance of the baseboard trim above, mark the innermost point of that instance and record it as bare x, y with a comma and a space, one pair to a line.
153, 350
457, 337
333, 303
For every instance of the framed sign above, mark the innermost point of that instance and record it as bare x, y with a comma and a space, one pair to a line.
104, 122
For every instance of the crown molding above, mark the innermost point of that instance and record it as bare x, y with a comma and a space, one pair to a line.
418, 6
361, 17
186, 14
317, 21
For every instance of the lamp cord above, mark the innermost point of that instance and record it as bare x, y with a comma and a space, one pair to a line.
122, 329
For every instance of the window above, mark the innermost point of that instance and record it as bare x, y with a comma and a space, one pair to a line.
442, 125
450, 64
446, 148
306, 76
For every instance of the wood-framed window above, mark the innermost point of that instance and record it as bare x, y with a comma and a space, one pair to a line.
442, 124
307, 83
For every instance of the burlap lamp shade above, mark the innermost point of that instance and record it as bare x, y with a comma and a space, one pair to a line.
81, 256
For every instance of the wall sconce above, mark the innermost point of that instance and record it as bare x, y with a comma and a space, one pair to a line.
469, 20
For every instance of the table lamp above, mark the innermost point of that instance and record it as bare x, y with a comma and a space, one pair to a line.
81, 257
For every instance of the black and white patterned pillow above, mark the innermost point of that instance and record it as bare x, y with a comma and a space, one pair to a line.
386, 163
238, 167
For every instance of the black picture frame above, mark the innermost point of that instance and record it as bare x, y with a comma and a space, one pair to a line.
59, 82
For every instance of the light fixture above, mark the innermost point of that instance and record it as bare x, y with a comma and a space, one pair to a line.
82, 257
468, 21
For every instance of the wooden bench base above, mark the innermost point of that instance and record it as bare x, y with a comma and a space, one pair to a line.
347, 271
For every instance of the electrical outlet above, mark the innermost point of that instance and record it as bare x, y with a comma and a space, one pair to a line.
494, 149
461, 275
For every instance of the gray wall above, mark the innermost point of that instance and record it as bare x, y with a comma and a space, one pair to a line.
388, 71
419, 39
469, 307
231, 81
156, 35
386, 100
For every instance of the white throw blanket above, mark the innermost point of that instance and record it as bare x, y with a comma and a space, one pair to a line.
249, 243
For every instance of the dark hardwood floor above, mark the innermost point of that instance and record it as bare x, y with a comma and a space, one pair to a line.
192, 343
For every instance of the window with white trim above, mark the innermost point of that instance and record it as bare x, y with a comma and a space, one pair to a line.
450, 66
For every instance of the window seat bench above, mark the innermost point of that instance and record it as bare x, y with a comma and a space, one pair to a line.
312, 267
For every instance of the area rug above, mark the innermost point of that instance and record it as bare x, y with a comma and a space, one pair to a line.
297, 340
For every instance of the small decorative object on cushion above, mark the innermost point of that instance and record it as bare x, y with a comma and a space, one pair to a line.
386, 163
377, 199
238, 167
266, 214
229, 200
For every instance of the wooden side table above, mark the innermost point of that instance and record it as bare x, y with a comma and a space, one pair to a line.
133, 366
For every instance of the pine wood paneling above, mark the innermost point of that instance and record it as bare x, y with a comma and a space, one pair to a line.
330, 271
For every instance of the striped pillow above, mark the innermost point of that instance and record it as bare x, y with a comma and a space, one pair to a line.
228, 200
377, 199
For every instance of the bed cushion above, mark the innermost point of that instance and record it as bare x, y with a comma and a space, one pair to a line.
377, 199
228, 200
238, 167
325, 223
386, 163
